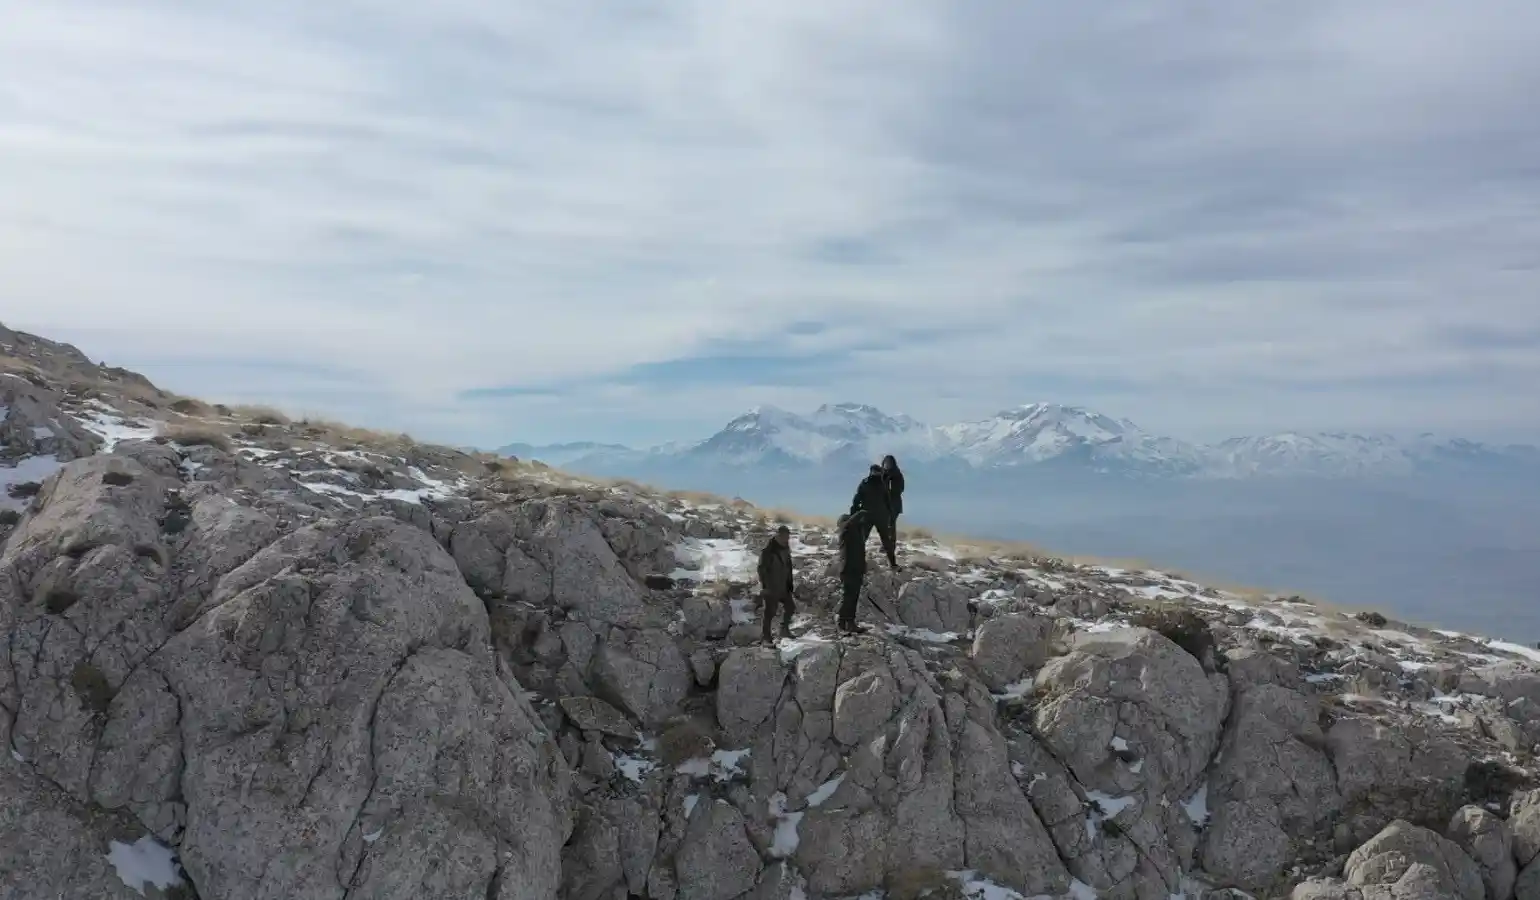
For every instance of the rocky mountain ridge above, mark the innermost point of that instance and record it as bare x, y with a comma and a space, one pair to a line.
1036, 434
245, 657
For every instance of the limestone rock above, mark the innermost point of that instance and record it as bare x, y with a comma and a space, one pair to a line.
862, 705
716, 861
1485, 838
1406, 862
1007, 647
590, 714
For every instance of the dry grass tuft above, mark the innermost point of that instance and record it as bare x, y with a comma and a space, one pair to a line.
350, 437
685, 739
927, 882
694, 498
187, 406
260, 415
198, 435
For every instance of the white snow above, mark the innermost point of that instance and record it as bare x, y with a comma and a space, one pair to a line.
1119, 744
721, 765
826, 790
1017, 690
1529, 653
786, 840
32, 468
112, 428
976, 887
1196, 806
374, 835
432, 489
16, 755
1079, 890
41, 432
145, 861
743, 610
634, 768
709, 559
689, 804
791, 648
1110, 805
1323, 677
922, 634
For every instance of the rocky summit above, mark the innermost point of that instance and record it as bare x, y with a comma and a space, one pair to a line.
249, 658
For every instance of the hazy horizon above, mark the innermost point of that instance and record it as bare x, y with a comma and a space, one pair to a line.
480, 223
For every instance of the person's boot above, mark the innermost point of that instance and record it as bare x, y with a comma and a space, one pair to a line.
786, 628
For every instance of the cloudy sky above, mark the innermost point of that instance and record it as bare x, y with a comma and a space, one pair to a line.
485, 222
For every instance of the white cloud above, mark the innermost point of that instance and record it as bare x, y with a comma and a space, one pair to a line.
1285, 211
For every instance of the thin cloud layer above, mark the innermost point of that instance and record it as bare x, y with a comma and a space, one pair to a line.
587, 220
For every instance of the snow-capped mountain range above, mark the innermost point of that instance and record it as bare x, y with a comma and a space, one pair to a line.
1036, 434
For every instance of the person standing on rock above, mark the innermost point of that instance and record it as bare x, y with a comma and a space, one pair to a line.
775, 583
893, 477
851, 558
872, 498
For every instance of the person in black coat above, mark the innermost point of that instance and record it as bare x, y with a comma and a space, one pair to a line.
872, 498
775, 582
851, 559
893, 477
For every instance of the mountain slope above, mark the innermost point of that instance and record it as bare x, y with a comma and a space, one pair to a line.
245, 659
1034, 435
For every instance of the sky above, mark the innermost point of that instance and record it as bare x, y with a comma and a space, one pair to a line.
486, 222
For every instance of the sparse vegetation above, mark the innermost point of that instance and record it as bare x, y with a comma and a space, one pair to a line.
927, 882
187, 406
258, 415
685, 739
204, 435
9, 517
1182, 627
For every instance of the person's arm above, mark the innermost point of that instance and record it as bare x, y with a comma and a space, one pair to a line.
855, 502
764, 567
898, 481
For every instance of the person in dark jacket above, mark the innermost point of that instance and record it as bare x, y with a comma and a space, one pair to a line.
872, 498
851, 558
893, 477
775, 583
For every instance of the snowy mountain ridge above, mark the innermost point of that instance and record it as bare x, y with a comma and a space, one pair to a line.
1029, 435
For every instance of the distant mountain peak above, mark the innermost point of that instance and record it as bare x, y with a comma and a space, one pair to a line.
847, 432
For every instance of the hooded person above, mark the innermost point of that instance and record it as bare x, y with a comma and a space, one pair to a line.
851, 559
872, 498
893, 477
775, 583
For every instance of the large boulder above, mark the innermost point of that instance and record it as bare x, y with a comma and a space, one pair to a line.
312, 718
1407, 862
716, 861
1384, 773
1131, 686
1007, 647
1485, 838
1272, 788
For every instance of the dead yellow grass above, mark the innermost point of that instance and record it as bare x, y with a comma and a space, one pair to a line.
195, 435
347, 436
259, 415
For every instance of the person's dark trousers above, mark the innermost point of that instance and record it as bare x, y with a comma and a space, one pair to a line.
852, 596
889, 535
788, 609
